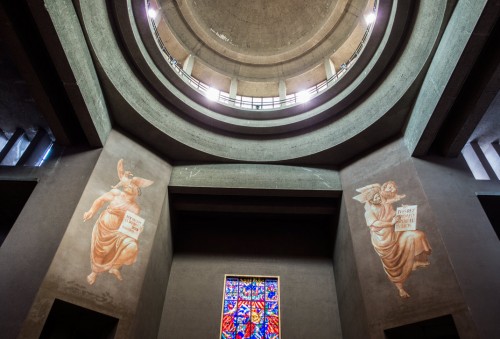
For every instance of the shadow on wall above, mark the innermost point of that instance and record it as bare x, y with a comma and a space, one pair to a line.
255, 235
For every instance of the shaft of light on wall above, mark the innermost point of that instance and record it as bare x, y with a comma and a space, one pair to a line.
474, 163
492, 156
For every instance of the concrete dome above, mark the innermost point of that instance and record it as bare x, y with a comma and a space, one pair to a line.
260, 43
370, 105
260, 28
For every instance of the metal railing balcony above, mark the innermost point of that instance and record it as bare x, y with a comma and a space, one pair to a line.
260, 103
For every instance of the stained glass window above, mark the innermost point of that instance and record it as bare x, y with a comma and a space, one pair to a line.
250, 308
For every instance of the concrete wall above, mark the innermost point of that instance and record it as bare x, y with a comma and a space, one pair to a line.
32, 242
350, 298
193, 304
434, 290
163, 295
470, 241
296, 246
67, 278
256, 176
149, 310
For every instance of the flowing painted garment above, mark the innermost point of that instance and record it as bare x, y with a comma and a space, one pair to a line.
108, 243
400, 252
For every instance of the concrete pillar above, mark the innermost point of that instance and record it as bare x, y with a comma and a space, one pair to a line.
441, 290
145, 280
70, 51
233, 88
282, 90
329, 69
188, 64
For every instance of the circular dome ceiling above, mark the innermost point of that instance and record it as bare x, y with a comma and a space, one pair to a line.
150, 101
260, 28
260, 43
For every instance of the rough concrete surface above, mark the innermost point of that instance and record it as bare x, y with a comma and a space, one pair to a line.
67, 275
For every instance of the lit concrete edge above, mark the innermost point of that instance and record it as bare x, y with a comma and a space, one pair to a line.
455, 38
255, 176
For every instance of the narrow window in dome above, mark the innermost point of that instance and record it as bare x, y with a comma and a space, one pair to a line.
224, 97
246, 102
276, 102
267, 103
238, 101
250, 307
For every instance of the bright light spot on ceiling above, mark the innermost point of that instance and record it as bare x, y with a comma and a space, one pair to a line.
152, 13
212, 94
303, 96
370, 18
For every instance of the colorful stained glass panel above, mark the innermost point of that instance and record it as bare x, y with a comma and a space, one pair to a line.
243, 312
271, 290
245, 289
272, 325
250, 308
272, 308
258, 289
258, 315
232, 289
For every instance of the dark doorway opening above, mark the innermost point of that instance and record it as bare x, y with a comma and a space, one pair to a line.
436, 328
13, 197
491, 205
66, 320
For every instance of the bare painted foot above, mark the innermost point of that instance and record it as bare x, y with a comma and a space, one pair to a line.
403, 294
91, 278
420, 264
116, 273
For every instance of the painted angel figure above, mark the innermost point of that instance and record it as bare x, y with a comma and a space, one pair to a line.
400, 252
124, 176
110, 248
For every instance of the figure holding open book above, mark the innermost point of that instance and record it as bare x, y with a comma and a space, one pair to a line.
116, 231
401, 248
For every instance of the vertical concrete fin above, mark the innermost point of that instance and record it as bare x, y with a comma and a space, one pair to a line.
60, 28
455, 55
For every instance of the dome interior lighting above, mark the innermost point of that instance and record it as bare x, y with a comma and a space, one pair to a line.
258, 102
152, 13
303, 96
212, 94
370, 18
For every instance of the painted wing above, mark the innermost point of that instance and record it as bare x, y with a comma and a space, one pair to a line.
120, 169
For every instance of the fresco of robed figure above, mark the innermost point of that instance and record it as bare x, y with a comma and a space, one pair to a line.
115, 234
400, 252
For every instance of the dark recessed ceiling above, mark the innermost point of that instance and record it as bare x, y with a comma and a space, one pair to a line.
258, 225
